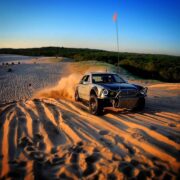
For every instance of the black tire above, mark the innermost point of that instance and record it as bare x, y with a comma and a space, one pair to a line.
95, 105
76, 96
140, 104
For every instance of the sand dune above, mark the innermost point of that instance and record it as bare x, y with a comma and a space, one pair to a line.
26, 79
50, 136
59, 138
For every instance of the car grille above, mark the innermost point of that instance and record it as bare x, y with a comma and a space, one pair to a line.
124, 93
128, 93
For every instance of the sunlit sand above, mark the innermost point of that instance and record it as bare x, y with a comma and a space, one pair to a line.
45, 134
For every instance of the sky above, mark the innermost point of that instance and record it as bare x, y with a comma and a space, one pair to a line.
144, 26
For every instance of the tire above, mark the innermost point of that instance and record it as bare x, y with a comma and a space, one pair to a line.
140, 104
95, 105
76, 96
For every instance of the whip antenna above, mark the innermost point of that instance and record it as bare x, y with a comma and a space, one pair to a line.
115, 19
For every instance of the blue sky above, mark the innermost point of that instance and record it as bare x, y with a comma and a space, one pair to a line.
147, 26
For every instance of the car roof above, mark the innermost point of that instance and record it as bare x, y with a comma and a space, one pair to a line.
91, 73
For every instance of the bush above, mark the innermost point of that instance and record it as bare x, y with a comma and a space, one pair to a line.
162, 69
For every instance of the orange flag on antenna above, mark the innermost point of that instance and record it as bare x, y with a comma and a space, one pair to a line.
115, 16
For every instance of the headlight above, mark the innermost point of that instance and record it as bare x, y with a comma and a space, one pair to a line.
105, 92
143, 91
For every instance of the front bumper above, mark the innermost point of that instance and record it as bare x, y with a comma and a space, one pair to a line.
127, 103
123, 99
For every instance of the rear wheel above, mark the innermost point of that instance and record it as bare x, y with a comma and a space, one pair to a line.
95, 105
140, 104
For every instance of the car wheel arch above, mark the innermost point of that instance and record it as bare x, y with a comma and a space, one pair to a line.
94, 91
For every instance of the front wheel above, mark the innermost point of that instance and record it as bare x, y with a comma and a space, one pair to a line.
140, 104
95, 105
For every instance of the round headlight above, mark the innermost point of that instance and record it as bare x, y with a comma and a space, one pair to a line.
105, 92
143, 91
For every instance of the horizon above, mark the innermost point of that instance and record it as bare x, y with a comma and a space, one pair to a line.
149, 27
130, 52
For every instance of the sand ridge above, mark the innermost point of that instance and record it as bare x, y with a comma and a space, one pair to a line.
58, 139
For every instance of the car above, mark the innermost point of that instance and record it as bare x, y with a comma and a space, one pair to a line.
108, 89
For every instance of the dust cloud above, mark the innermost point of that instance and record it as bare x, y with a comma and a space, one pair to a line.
65, 88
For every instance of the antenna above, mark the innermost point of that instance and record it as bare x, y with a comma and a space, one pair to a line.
115, 18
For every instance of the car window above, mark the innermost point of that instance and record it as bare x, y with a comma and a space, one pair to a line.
82, 79
85, 78
118, 79
97, 79
107, 78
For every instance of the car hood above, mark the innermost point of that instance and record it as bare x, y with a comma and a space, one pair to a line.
118, 86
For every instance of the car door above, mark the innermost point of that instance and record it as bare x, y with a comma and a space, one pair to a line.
84, 88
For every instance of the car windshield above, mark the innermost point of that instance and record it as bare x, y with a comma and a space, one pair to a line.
106, 78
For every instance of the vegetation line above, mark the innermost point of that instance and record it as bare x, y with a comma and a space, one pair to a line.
161, 67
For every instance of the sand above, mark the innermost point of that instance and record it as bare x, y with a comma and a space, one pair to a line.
49, 136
